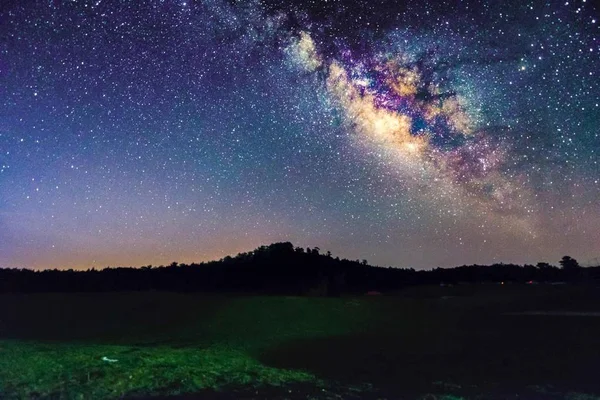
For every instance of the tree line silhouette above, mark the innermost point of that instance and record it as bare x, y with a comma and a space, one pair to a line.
281, 268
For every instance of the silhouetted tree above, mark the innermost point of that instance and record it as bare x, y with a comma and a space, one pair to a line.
569, 263
544, 266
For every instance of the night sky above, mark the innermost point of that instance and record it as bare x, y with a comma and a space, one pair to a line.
412, 135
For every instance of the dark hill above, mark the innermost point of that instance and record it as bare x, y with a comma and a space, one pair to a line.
280, 268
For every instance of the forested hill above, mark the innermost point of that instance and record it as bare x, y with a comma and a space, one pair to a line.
282, 268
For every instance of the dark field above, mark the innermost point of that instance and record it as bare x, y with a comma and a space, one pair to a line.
421, 343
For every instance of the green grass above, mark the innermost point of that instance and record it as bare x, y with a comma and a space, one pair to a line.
77, 371
415, 343
165, 343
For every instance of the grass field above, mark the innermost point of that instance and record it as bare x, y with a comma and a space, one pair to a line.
426, 342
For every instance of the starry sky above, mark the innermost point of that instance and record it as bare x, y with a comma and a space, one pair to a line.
411, 134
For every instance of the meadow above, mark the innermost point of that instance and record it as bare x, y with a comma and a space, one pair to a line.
466, 341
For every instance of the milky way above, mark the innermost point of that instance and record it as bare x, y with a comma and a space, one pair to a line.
411, 135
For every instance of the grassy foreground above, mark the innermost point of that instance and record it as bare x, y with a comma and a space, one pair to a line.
53, 344
33, 370
444, 342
